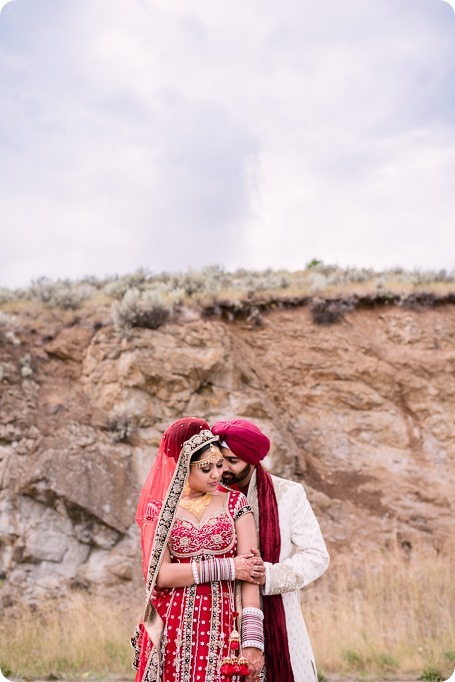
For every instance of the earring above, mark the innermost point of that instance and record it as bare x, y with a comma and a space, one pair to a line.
186, 490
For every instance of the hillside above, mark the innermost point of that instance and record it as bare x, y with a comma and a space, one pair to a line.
361, 411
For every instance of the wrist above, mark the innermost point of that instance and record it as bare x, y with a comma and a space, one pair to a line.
253, 644
265, 589
252, 628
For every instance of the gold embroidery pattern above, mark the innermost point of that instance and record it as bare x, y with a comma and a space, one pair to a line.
200, 535
279, 485
152, 669
214, 627
163, 530
135, 641
244, 510
165, 520
188, 539
252, 498
283, 579
188, 635
198, 441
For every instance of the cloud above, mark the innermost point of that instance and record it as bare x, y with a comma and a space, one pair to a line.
451, 3
155, 133
3, 3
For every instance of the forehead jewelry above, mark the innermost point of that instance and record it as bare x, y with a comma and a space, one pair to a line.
214, 456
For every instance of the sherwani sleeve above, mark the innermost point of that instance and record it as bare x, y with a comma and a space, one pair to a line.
309, 557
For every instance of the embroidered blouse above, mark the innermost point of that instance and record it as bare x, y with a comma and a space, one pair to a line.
213, 536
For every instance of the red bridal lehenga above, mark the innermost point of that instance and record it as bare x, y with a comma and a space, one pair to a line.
198, 619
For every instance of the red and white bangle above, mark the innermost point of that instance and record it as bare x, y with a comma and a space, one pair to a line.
252, 628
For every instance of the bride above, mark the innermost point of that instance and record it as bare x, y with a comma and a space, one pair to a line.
197, 539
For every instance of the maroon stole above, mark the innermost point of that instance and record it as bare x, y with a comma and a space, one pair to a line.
277, 658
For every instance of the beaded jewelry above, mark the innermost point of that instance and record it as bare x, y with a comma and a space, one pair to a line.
214, 456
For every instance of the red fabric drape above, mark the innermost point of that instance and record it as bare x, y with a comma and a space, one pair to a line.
278, 662
158, 481
251, 445
148, 513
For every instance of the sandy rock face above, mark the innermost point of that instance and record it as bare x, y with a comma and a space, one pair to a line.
101, 483
362, 412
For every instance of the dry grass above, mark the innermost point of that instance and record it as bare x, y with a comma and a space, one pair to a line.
81, 636
391, 618
200, 288
144, 299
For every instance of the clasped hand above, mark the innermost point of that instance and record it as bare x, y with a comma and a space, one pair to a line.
250, 567
255, 659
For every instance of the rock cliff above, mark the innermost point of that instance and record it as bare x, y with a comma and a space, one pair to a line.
362, 412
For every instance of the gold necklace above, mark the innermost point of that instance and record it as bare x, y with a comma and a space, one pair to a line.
197, 506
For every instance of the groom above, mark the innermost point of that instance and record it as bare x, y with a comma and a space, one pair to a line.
291, 545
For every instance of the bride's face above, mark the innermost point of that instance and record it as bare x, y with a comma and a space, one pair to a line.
207, 478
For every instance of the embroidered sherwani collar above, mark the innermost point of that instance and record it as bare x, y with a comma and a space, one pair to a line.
252, 497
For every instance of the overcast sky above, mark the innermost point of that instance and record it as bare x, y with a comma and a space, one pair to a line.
169, 134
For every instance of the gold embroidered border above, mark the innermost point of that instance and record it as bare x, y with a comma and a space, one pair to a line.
213, 658
187, 636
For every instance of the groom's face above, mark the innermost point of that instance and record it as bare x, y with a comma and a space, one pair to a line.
235, 470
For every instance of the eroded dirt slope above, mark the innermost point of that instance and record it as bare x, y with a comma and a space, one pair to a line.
362, 412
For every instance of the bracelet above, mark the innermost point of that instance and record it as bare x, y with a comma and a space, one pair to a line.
254, 644
232, 562
213, 570
196, 577
252, 628
252, 610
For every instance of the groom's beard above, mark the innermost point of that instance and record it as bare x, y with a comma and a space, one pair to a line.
230, 478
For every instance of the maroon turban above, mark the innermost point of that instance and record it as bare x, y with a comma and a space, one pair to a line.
244, 439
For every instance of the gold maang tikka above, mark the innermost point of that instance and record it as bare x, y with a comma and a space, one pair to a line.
214, 456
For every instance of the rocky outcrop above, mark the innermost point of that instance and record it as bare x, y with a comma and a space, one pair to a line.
362, 412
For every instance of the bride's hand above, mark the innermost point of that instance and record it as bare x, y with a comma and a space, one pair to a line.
158, 593
255, 659
250, 567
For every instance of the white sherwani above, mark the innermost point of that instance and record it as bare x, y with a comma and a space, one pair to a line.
303, 558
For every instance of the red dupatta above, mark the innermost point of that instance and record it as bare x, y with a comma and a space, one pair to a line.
156, 509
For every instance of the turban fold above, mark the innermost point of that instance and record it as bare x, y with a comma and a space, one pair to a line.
244, 439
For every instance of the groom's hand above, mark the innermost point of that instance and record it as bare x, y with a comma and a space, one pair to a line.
260, 568
250, 568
